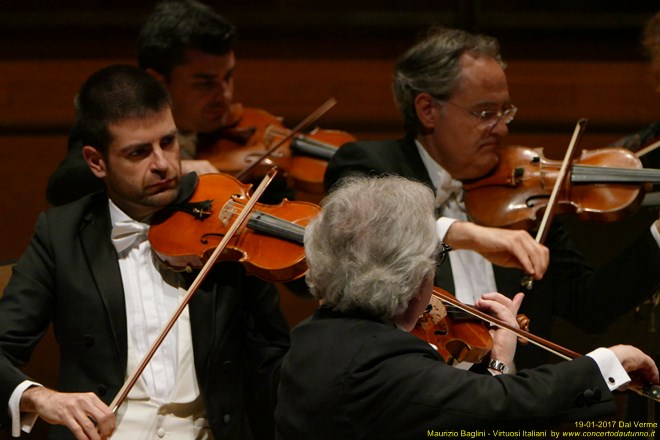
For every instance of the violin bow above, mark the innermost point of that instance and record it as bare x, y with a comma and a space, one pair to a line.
648, 149
562, 179
649, 391
238, 222
310, 119
651, 199
532, 338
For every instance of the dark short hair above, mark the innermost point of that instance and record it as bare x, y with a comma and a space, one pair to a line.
175, 26
113, 94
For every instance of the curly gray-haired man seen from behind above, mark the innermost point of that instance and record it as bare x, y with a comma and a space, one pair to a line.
373, 245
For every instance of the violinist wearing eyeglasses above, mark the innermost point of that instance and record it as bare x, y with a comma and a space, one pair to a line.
452, 91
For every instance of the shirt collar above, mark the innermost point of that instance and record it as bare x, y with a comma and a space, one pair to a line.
445, 186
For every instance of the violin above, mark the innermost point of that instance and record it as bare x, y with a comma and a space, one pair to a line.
456, 335
455, 340
248, 137
604, 185
270, 246
651, 391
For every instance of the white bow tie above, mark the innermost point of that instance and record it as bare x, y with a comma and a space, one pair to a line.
126, 233
453, 188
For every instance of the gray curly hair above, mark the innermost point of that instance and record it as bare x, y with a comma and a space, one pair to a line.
372, 245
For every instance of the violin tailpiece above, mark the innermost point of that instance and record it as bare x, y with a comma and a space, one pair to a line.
199, 210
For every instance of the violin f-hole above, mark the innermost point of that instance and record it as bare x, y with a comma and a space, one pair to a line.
537, 200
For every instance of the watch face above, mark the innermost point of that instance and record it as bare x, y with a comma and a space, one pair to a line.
496, 365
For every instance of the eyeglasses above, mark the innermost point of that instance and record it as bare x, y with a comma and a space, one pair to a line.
442, 253
489, 119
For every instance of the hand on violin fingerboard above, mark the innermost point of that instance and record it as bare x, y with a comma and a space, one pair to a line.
506, 310
502, 247
635, 361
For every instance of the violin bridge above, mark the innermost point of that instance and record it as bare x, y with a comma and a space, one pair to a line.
227, 212
437, 310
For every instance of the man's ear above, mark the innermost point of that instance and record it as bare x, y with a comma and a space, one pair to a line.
95, 161
424, 106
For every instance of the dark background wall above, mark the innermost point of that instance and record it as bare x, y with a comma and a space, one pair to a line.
567, 59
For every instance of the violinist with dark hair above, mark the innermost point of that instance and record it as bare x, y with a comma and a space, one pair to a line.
90, 271
189, 48
354, 372
452, 90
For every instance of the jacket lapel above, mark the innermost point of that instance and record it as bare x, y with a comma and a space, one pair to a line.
104, 267
415, 168
201, 309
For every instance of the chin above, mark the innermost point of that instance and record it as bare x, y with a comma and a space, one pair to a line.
487, 165
163, 198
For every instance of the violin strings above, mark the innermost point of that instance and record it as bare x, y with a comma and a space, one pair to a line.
273, 225
492, 321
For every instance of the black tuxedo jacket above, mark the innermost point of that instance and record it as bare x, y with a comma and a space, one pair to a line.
70, 275
570, 289
349, 376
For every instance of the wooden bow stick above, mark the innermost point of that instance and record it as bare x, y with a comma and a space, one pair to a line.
323, 108
562, 180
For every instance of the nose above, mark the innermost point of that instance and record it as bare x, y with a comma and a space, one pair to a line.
159, 162
225, 91
499, 127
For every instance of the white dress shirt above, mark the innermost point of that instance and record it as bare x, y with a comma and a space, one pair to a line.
165, 402
151, 298
473, 274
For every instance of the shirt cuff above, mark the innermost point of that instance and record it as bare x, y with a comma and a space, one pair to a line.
20, 421
610, 368
442, 225
655, 233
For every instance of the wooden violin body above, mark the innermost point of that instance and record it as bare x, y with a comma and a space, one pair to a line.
302, 159
605, 185
269, 246
455, 340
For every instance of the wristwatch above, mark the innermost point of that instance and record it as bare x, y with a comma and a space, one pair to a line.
496, 365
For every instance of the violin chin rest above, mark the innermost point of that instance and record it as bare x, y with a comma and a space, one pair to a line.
187, 186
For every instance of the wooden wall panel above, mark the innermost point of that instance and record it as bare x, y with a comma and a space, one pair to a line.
37, 96
36, 111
